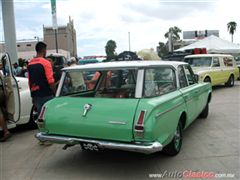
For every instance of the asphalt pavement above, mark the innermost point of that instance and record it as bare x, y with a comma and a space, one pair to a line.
210, 147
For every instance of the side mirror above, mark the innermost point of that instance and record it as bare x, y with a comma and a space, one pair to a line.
196, 77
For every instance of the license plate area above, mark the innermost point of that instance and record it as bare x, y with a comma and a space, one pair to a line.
90, 146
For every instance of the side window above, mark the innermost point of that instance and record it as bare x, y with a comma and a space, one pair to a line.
159, 81
182, 78
228, 61
215, 62
189, 74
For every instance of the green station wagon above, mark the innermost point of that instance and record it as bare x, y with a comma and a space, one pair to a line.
139, 106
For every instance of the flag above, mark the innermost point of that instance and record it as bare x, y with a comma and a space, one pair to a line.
54, 14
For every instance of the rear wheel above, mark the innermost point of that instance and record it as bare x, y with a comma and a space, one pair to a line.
204, 113
207, 79
230, 82
174, 147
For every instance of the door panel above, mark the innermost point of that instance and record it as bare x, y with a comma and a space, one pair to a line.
191, 97
190, 91
12, 91
216, 75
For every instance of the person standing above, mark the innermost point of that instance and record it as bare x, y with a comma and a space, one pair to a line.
77, 79
3, 123
17, 70
40, 77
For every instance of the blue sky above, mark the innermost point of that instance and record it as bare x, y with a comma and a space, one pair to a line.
147, 20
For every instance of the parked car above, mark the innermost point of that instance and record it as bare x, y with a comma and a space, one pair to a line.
87, 61
18, 100
214, 68
58, 60
139, 106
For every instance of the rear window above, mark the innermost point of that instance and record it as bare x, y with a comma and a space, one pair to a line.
110, 84
199, 61
228, 61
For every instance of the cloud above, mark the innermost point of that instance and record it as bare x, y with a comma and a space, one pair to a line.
147, 20
170, 10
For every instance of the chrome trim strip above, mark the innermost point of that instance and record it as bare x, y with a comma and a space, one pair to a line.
138, 131
146, 148
164, 112
197, 95
117, 122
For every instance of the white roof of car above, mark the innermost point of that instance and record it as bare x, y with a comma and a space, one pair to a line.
124, 64
208, 55
56, 54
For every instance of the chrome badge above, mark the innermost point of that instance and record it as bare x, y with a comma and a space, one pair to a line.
86, 108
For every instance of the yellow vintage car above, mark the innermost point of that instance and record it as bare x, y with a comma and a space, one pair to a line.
214, 68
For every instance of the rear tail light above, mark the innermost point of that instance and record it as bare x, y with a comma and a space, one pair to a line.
40, 120
139, 127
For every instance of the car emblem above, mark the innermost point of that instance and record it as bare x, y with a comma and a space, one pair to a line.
86, 108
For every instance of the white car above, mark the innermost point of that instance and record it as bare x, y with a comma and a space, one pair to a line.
18, 99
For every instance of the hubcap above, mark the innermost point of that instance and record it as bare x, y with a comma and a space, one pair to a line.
177, 138
232, 80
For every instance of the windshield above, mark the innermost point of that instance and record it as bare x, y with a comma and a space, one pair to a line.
110, 84
199, 61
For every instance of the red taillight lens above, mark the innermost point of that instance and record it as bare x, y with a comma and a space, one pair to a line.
141, 118
139, 127
42, 112
40, 120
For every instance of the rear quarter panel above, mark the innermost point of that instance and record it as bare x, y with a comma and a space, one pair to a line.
236, 72
162, 116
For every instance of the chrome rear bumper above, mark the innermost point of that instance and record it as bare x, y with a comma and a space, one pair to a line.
146, 148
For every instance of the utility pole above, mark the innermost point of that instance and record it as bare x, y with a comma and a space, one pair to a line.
37, 38
54, 21
9, 29
129, 41
56, 41
170, 42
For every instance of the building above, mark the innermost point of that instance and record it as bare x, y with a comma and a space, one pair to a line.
66, 38
199, 34
26, 49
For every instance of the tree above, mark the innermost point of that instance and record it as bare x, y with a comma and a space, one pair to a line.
162, 50
232, 28
175, 33
110, 49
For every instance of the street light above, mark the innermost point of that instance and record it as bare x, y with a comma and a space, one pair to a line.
36, 37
